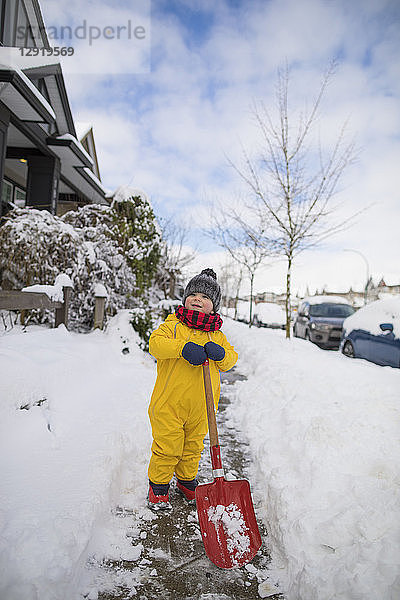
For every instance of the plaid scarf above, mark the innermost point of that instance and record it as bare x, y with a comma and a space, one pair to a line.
198, 320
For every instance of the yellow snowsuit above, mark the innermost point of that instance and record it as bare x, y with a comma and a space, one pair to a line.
177, 408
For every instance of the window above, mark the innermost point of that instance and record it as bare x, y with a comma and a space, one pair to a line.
19, 197
331, 310
6, 192
14, 194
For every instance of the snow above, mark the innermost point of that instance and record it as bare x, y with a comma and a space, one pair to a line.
123, 192
75, 441
94, 178
321, 298
269, 313
82, 437
15, 59
82, 129
11, 59
324, 431
71, 138
232, 521
372, 315
266, 589
64, 280
54, 292
243, 310
100, 291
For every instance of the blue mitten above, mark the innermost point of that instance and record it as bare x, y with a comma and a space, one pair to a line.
214, 351
194, 353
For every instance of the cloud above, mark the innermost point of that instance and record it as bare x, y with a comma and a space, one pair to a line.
169, 131
111, 39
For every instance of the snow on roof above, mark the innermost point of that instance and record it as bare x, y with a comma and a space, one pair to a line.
324, 298
5, 64
13, 57
69, 136
94, 178
82, 129
372, 315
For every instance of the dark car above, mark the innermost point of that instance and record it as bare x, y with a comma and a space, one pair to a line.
373, 333
320, 320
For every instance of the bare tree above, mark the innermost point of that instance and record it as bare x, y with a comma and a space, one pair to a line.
293, 179
174, 256
247, 244
230, 278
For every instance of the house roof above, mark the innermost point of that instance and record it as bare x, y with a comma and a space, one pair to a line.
25, 101
82, 129
76, 167
20, 95
84, 133
37, 67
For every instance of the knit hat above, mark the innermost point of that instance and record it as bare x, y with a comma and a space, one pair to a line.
205, 283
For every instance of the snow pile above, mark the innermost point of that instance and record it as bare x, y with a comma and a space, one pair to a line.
75, 442
269, 313
100, 290
74, 436
242, 310
234, 526
124, 192
324, 431
54, 292
372, 315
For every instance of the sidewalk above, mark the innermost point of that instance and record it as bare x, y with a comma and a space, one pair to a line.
167, 558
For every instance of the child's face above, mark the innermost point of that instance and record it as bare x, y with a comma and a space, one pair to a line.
199, 302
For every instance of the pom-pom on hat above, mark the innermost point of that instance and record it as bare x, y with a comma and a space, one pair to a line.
204, 283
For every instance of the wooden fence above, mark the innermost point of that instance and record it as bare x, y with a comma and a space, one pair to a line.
17, 300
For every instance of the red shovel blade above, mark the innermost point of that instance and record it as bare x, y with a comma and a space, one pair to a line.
227, 522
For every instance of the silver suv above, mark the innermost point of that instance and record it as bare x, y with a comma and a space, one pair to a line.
321, 322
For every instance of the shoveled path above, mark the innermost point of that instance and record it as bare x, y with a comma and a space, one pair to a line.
172, 564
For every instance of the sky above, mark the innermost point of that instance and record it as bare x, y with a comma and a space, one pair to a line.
171, 109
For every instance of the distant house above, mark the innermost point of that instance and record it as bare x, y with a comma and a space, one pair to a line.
46, 160
381, 290
357, 299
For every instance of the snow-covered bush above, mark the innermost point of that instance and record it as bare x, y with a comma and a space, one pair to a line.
135, 230
117, 246
35, 247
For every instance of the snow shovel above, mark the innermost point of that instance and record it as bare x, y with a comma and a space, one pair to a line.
225, 509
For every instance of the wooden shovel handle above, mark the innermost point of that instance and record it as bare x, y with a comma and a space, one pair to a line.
212, 422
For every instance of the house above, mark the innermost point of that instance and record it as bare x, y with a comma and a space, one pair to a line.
46, 160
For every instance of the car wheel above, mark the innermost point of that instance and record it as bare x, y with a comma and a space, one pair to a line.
348, 349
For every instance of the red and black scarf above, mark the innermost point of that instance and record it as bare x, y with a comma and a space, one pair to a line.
198, 320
